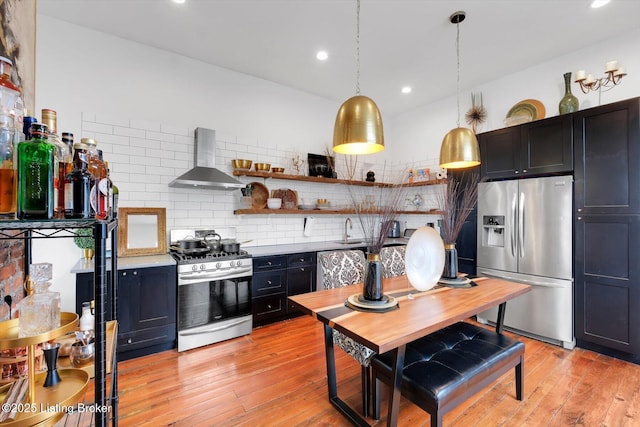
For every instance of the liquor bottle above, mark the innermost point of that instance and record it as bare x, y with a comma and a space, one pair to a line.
40, 310
10, 124
35, 175
87, 320
7, 169
100, 190
62, 158
78, 184
115, 194
67, 139
26, 128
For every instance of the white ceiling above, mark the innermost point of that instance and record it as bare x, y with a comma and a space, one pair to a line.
402, 42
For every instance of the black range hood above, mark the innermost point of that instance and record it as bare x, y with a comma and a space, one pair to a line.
205, 175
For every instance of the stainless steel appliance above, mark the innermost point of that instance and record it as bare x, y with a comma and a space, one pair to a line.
214, 292
525, 235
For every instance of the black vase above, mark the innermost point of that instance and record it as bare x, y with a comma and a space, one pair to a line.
373, 278
450, 261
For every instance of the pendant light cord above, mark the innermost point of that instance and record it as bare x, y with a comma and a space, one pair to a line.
458, 69
358, 48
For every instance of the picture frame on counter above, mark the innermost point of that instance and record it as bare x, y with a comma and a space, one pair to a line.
141, 231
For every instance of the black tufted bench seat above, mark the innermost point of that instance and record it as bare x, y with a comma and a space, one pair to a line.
445, 368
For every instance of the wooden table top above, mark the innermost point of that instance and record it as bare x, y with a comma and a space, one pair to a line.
415, 317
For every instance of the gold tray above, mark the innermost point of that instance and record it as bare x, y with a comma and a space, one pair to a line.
9, 332
67, 392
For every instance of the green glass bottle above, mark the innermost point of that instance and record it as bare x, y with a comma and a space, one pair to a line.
35, 175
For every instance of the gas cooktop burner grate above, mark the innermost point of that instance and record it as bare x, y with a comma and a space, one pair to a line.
208, 256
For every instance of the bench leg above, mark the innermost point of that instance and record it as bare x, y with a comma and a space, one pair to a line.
520, 379
436, 419
366, 389
375, 396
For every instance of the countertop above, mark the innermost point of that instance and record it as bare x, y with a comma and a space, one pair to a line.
315, 247
84, 266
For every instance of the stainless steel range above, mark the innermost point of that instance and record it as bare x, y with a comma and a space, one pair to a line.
214, 292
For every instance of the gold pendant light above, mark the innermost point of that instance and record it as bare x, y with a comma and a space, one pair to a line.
460, 146
358, 127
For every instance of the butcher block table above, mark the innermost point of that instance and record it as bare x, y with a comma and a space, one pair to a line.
418, 314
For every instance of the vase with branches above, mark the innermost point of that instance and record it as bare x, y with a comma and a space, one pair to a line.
456, 200
376, 208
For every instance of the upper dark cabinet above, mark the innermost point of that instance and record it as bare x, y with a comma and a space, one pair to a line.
607, 157
534, 148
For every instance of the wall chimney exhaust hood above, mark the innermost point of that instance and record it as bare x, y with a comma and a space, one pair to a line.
205, 175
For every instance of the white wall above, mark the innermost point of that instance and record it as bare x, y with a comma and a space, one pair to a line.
420, 131
142, 105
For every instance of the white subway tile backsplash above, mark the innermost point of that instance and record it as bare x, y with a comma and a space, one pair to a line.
159, 136
144, 124
145, 156
97, 127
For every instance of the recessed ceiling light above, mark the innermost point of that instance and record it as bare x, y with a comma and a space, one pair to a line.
179, 1
598, 3
406, 89
322, 55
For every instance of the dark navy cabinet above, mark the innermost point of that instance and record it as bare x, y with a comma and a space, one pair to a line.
607, 229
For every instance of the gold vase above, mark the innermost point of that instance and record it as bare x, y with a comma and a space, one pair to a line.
88, 254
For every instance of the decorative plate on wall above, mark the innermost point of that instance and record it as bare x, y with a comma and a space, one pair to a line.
524, 111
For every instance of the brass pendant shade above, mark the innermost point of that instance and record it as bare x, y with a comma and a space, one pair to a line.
358, 127
459, 149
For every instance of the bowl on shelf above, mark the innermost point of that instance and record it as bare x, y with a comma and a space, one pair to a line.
241, 164
274, 203
277, 170
263, 167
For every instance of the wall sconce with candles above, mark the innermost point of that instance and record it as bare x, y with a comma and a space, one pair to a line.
613, 77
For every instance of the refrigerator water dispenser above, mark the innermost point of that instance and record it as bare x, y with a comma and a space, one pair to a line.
493, 230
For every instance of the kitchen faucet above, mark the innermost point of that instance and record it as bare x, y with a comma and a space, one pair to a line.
346, 233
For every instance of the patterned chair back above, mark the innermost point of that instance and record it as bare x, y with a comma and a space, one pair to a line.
342, 268
392, 258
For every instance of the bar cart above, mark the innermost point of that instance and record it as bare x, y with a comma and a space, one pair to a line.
28, 230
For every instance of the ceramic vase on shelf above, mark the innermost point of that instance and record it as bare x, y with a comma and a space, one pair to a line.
88, 254
568, 103
450, 261
372, 289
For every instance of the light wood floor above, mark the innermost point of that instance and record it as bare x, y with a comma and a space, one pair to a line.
276, 377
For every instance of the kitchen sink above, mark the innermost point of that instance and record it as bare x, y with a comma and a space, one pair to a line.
350, 242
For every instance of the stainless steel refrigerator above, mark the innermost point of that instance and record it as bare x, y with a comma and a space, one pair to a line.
525, 234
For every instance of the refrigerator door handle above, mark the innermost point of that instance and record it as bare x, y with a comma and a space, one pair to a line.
513, 227
521, 225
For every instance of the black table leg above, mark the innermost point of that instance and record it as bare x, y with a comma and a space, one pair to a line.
500, 320
332, 383
394, 399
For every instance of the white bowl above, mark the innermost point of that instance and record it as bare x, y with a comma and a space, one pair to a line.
274, 203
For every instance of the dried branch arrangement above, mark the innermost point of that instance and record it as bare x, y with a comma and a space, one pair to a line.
456, 200
376, 208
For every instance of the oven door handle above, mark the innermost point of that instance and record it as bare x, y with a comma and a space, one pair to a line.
196, 277
215, 329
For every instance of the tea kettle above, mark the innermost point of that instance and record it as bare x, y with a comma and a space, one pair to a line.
394, 229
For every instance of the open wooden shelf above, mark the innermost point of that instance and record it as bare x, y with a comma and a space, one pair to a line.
321, 179
323, 212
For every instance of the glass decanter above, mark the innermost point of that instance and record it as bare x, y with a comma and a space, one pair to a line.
40, 310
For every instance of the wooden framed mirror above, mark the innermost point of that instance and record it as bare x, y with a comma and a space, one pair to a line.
141, 231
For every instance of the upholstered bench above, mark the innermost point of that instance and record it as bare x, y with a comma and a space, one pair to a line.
445, 368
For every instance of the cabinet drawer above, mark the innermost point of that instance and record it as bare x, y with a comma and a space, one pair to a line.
266, 309
269, 263
298, 260
268, 282
146, 337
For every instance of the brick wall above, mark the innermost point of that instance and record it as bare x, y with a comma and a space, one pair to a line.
11, 274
